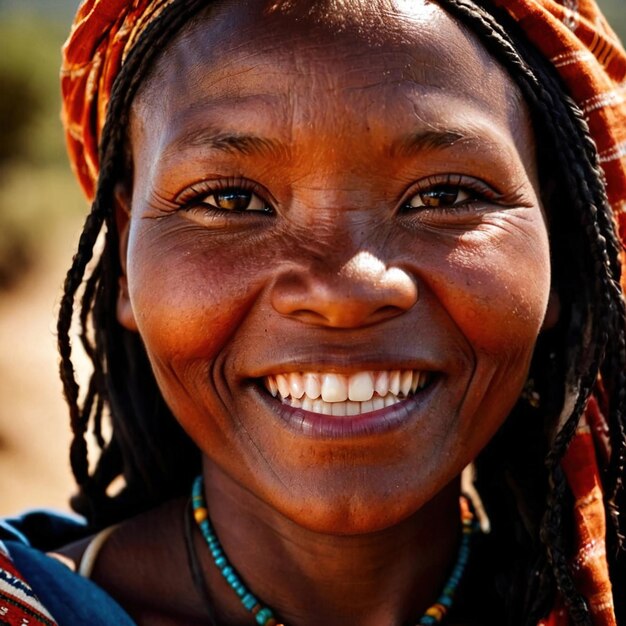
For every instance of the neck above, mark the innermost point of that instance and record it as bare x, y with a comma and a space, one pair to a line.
384, 578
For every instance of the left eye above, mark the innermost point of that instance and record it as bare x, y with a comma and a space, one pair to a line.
236, 200
440, 196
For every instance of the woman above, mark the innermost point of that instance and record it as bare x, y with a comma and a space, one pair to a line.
351, 248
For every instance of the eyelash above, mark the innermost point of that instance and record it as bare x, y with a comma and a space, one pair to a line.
195, 196
477, 190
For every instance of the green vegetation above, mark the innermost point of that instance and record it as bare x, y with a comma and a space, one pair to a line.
37, 190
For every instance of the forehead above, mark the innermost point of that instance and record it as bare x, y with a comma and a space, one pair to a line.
283, 62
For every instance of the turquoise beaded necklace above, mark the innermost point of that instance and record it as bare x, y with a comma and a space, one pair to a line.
264, 615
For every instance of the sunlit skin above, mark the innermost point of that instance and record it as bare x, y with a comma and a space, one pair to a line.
392, 221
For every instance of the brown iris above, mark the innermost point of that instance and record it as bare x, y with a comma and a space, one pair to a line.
233, 199
442, 195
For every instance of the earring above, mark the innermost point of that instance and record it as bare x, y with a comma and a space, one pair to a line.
530, 395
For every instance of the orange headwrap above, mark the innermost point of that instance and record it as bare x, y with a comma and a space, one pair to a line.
572, 34
103, 33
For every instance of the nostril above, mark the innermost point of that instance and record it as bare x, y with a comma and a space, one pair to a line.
358, 295
310, 316
388, 311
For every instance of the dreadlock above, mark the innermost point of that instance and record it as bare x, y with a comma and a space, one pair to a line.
146, 448
593, 338
523, 486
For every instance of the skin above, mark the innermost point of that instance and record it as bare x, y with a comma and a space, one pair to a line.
354, 115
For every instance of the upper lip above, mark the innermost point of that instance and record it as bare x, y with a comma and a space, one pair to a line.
346, 365
340, 352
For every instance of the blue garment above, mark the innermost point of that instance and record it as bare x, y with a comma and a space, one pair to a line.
71, 599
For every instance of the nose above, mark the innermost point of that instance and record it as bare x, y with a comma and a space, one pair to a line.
363, 291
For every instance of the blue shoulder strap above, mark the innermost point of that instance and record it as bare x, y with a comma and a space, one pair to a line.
71, 599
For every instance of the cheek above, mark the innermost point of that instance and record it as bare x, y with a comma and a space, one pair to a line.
495, 285
187, 297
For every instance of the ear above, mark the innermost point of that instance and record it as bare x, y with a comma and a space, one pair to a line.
553, 311
122, 200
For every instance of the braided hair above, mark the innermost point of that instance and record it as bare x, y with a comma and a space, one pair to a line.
519, 473
590, 341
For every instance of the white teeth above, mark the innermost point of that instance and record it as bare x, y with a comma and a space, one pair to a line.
378, 403
367, 407
338, 409
334, 388
341, 409
327, 408
353, 408
405, 382
361, 387
283, 386
318, 406
340, 395
312, 386
394, 382
382, 383
296, 385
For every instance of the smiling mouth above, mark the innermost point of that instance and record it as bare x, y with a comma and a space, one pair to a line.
334, 394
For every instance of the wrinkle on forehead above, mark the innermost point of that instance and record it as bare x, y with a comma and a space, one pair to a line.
233, 50
227, 39
373, 22
365, 16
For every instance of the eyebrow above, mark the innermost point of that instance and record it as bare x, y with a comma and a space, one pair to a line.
247, 144
430, 140
233, 143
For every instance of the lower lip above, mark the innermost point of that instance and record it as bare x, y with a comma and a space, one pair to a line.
321, 426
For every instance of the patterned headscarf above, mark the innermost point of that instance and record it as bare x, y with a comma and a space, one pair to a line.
576, 39
103, 33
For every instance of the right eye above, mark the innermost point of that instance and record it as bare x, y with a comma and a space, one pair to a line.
440, 196
235, 199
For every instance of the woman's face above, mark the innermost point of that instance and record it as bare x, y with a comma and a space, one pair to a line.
344, 202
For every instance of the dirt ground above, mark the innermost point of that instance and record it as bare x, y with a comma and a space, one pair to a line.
34, 431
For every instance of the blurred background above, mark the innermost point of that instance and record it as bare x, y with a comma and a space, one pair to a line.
41, 210
41, 213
